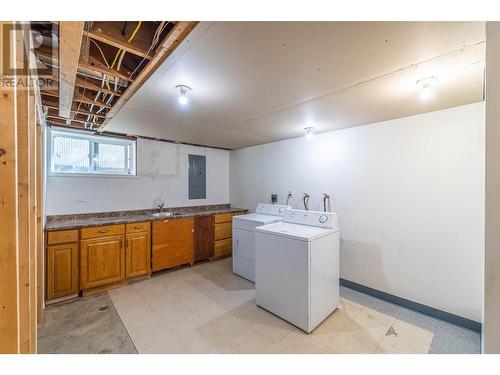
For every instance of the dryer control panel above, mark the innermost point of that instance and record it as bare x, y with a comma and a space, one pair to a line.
313, 218
271, 209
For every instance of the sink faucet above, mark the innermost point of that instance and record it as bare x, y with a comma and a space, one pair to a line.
160, 207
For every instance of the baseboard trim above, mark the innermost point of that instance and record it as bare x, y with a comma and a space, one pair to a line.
415, 306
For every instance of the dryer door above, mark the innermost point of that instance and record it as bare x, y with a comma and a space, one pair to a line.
244, 244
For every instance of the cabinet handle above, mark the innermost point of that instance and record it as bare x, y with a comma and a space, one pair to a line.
103, 230
137, 227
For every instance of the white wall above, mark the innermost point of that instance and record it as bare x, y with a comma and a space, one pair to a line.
409, 194
67, 195
491, 326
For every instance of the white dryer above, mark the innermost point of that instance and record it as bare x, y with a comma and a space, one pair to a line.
244, 236
297, 267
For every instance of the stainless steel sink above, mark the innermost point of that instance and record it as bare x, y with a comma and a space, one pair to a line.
165, 214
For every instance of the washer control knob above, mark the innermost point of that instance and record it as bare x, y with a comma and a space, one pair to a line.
323, 219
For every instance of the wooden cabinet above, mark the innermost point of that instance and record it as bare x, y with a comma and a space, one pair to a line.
223, 218
102, 258
223, 247
138, 251
91, 257
105, 230
223, 233
62, 265
172, 243
223, 230
62, 236
203, 237
138, 227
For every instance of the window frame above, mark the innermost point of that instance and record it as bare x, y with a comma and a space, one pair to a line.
130, 153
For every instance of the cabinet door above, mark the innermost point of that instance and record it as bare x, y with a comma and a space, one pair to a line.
102, 261
62, 270
138, 254
172, 243
203, 237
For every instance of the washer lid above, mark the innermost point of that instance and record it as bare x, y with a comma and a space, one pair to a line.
254, 219
295, 231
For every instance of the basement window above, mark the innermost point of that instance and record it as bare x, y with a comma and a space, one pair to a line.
75, 153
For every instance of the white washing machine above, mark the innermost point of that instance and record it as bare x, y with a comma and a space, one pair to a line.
297, 267
244, 236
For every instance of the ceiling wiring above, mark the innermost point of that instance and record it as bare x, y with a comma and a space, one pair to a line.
155, 40
119, 53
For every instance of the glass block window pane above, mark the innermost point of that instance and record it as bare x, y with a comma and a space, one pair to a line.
110, 158
70, 155
74, 152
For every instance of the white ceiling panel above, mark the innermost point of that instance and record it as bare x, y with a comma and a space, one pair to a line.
257, 82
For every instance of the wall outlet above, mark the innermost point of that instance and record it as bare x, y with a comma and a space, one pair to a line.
274, 198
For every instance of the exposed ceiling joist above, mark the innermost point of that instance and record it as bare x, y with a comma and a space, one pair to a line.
72, 120
70, 40
120, 44
59, 122
85, 99
85, 84
104, 70
78, 97
104, 56
51, 93
78, 112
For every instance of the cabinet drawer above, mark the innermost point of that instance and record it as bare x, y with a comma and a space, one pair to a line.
223, 247
62, 236
223, 218
223, 230
105, 230
138, 227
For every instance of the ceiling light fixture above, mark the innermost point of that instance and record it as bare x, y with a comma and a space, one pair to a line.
183, 92
426, 86
309, 132
427, 82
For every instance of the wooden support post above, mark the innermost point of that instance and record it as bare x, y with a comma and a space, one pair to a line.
18, 230
9, 333
23, 218
39, 220
70, 40
32, 159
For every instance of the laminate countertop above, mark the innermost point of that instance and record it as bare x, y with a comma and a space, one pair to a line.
62, 222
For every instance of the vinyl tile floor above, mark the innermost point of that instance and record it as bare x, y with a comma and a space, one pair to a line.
208, 309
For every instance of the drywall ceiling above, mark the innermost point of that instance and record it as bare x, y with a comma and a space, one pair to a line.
258, 82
